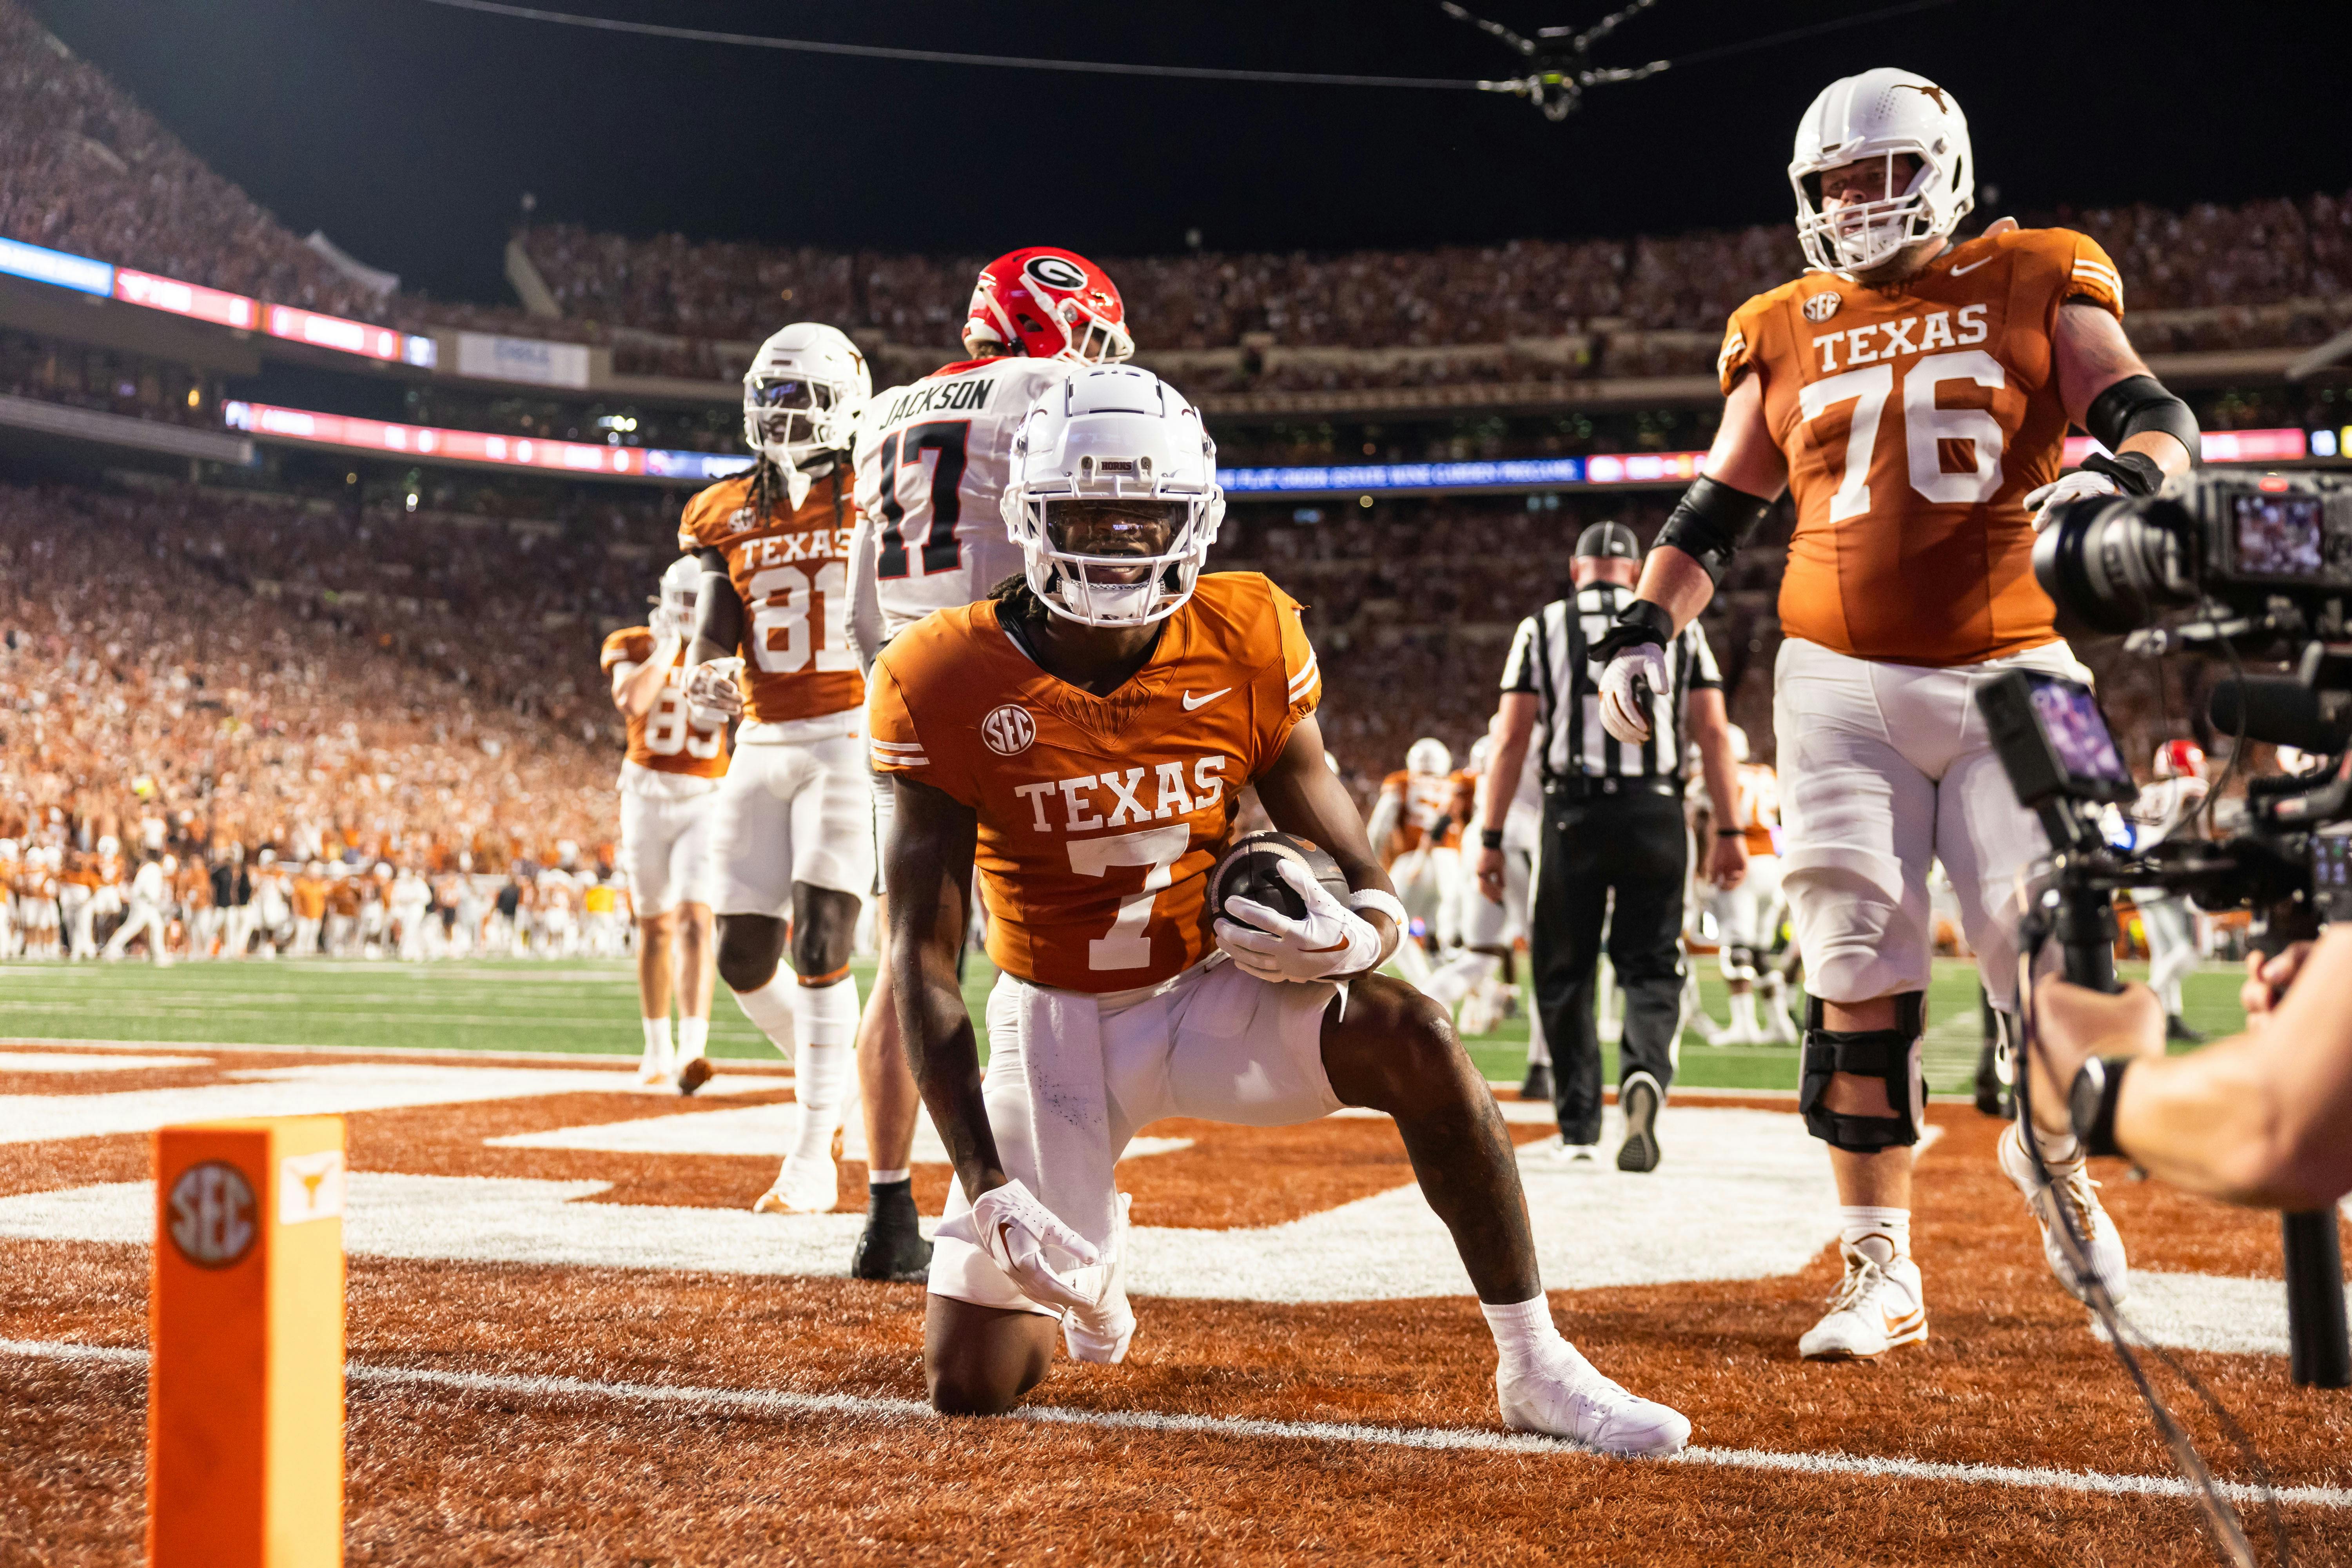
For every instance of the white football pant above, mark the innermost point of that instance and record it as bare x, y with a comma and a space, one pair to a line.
666, 848
797, 810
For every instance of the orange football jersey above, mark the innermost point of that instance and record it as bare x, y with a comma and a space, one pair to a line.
1426, 798
1915, 418
665, 737
1099, 816
791, 571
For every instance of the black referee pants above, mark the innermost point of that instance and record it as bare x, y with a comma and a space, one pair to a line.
1636, 845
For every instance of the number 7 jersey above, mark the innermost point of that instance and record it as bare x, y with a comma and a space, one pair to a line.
1915, 418
791, 569
933, 457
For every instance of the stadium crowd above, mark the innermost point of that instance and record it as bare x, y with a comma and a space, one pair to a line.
92, 172
154, 694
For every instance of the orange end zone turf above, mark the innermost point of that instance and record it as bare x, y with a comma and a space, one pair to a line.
245, 1397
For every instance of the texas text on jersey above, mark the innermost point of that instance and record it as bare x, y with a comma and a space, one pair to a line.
665, 737
791, 569
933, 457
1915, 418
1099, 816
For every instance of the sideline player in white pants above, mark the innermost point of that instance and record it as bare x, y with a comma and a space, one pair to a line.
791, 833
2163, 808
1915, 393
150, 890
1748, 914
669, 778
1418, 847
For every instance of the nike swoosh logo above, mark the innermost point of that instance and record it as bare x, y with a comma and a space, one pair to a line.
1192, 702
1971, 266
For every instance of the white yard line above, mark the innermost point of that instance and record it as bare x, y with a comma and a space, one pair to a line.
427, 1053
779, 1402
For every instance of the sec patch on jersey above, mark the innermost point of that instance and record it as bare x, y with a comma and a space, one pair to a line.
1251, 869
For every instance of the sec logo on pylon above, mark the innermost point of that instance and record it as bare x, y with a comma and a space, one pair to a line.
212, 1215
1008, 731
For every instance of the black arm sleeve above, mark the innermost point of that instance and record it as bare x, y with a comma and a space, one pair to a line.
717, 608
2136, 403
1710, 523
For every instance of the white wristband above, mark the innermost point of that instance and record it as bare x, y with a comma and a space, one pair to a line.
1386, 903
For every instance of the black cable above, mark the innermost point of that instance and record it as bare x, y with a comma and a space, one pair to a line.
946, 56
2221, 1520
1723, 51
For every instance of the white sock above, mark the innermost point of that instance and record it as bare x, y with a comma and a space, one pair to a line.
693, 1036
888, 1178
2058, 1148
1743, 1012
770, 1008
657, 1047
1524, 1333
1881, 1235
825, 1018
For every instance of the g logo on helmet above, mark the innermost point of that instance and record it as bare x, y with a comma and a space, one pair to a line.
1055, 272
1823, 306
212, 1215
1008, 731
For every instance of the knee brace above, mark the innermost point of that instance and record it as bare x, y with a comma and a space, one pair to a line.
1738, 961
1891, 1056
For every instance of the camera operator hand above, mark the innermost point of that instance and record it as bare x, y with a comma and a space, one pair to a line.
2262, 1118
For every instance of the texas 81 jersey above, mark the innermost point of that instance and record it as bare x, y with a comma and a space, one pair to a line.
1915, 418
933, 457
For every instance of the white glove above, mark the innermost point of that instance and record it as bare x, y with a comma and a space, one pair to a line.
2077, 486
1330, 941
1016, 1228
1102, 1333
1624, 713
713, 696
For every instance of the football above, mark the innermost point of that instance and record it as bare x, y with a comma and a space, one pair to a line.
1251, 869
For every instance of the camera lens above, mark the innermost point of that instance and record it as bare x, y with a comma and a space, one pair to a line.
2114, 563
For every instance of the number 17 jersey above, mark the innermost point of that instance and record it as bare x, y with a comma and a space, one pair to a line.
1915, 418
933, 459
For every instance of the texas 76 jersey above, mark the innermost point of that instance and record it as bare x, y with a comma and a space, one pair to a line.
933, 457
1915, 418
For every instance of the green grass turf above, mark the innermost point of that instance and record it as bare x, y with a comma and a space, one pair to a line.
590, 1004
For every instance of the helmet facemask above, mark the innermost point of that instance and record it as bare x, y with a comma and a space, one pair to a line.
793, 420
1856, 236
1117, 562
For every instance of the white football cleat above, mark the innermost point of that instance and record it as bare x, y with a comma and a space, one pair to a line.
1561, 1395
804, 1186
2072, 1188
651, 1070
1558, 1154
1874, 1307
1101, 1334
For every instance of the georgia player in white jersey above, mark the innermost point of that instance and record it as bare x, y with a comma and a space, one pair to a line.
1915, 390
933, 459
1748, 915
792, 825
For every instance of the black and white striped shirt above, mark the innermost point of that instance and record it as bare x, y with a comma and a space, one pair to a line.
1548, 659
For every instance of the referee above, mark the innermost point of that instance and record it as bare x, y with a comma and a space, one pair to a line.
1612, 823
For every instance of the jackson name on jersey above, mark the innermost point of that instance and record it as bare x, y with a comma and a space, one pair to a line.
933, 457
1915, 417
1099, 816
791, 569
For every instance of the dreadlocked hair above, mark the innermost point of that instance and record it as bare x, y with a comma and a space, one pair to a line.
768, 486
1017, 601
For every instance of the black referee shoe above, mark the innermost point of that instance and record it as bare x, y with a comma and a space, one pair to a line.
1640, 1098
1537, 1083
892, 1246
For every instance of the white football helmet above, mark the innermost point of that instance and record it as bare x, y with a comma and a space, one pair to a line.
1429, 758
681, 584
1112, 433
1479, 750
802, 398
1880, 113
1739, 742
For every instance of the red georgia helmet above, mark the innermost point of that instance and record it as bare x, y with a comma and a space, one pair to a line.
2180, 759
1049, 303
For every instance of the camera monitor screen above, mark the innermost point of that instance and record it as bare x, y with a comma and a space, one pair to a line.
2070, 718
2281, 535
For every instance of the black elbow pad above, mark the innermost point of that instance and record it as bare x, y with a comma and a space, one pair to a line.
2139, 403
1710, 523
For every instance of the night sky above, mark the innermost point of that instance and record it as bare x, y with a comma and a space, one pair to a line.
408, 131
